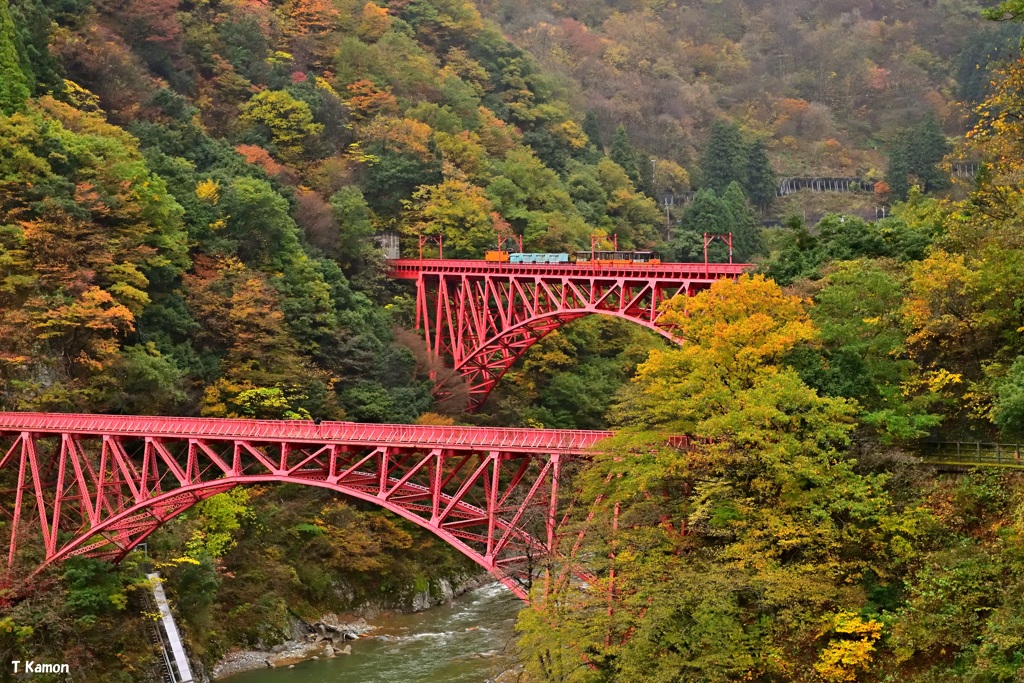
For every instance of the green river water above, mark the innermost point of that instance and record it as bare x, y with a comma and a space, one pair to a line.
469, 641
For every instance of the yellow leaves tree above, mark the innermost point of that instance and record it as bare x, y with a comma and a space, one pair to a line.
941, 308
288, 122
670, 178
373, 23
726, 553
964, 316
851, 651
736, 332
999, 138
400, 136
462, 155
569, 133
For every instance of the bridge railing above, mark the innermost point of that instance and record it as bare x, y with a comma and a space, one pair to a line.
514, 438
973, 453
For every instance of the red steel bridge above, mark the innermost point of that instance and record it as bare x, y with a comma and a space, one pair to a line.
99, 485
482, 316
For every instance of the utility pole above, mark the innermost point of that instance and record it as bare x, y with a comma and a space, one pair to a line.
668, 201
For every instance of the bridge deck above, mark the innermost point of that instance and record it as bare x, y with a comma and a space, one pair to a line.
412, 268
570, 441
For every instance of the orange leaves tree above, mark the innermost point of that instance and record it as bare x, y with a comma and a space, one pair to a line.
365, 99
84, 228
309, 26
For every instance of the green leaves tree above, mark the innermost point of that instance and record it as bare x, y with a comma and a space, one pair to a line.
914, 156
14, 83
761, 183
725, 159
623, 153
1009, 404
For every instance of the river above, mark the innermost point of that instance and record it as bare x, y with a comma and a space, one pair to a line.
468, 641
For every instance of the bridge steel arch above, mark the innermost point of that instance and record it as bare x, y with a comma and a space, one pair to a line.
98, 485
482, 316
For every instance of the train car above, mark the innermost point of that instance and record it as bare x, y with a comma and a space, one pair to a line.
652, 257
496, 256
618, 258
538, 258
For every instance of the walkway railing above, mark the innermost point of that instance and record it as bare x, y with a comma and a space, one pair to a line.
973, 454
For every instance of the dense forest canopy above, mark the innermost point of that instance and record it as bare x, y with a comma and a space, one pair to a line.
189, 198
824, 84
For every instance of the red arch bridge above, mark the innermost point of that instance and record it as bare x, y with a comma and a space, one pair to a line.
481, 316
98, 485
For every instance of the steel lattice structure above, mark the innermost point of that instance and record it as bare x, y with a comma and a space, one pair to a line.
99, 485
483, 316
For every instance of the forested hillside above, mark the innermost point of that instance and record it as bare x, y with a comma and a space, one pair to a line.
191, 190
222, 166
826, 85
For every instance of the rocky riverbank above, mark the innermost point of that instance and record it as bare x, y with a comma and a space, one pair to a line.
330, 636
326, 639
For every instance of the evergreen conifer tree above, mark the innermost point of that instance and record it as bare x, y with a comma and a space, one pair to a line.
625, 156
743, 224
725, 157
761, 182
914, 157
897, 172
592, 129
14, 90
706, 214
929, 148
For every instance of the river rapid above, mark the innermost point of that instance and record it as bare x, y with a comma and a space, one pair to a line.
468, 641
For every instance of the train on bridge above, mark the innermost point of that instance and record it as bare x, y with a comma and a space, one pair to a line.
583, 257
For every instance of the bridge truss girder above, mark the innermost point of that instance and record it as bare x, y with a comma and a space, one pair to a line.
483, 320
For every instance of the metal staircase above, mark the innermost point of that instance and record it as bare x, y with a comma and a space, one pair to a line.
165, 634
